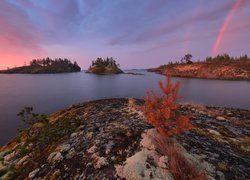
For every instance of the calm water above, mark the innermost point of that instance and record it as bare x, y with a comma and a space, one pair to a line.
51, 92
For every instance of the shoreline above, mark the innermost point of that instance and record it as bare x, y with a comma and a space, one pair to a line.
200, 106
66, 72
202, 78
237, 71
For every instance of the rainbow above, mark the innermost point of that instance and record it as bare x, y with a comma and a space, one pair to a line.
224, 27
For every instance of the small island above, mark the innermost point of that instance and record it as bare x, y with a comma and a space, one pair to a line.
134, 73
103, 66
44, 66
221, 67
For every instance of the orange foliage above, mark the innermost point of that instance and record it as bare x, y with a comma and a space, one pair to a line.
161, 112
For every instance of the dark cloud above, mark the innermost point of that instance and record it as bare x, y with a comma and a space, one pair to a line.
121, 22
176, 24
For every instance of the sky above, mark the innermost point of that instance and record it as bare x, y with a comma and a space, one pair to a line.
137, 33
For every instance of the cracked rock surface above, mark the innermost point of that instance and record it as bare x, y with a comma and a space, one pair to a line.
109, 132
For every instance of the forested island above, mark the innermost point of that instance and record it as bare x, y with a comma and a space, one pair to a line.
45, 65
104, 66
219, 67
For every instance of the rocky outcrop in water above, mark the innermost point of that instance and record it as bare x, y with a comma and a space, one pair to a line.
104, 66
104, 70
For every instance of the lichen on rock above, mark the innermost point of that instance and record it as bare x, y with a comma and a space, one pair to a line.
111, 135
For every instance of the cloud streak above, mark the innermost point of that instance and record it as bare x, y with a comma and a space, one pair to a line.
90, 28
171, 26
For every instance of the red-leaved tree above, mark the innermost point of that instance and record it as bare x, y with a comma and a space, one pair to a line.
161, 112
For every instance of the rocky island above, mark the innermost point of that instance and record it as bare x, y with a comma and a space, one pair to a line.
110, 139
220, 67
44, 66
104, 66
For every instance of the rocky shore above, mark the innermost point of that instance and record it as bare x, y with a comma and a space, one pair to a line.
104, 136
104, 70
133, 73
39, 70
223, 71
45, 66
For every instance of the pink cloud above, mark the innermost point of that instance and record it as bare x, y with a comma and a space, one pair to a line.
18, 42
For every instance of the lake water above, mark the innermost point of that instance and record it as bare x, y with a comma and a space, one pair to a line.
48, 93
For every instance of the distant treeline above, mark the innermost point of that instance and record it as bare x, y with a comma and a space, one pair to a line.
226, 57
50, 62
221, 58
56, 64
101, 62
46, 65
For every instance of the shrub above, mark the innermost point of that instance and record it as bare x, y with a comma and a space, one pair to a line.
162, 113
48, 133
29, 118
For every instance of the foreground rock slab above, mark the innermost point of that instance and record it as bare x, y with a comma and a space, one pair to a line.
110, 132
